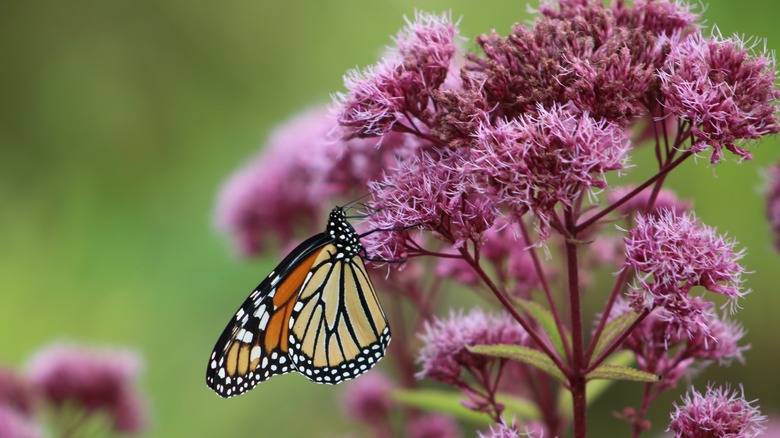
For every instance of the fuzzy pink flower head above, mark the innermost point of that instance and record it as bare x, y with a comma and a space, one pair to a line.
14, 424
535, 163
399, 87
426, 192
368, 399
434, 426
92, 379
639, 203
726, 93
673, 253
773, 201
718, 413
445, 354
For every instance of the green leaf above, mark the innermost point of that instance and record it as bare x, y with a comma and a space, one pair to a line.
518, 408
619, 372
449, 402
613, 330
526, 355
545, 318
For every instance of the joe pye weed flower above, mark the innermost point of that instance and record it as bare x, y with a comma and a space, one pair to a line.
498, 172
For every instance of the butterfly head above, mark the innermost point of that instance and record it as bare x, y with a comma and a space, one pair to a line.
345, 238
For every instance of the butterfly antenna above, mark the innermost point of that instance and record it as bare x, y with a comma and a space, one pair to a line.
356, 201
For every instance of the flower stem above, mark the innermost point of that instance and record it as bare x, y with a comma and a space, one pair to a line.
577, 377
593, 219
605, 316
509, 308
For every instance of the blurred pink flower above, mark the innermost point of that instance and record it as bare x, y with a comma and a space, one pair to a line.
272, 194
14, 424
295, 178
92, 379
367, 399
433, 426
16, 392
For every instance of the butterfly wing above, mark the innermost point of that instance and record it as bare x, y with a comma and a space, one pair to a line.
338, 329
254, 345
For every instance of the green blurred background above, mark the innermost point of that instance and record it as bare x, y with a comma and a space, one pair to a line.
120, 119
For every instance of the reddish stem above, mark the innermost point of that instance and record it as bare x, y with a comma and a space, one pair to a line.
605, 316
593, 219
577, 377
509, 308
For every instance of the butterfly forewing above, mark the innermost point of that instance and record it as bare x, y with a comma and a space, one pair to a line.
254, 345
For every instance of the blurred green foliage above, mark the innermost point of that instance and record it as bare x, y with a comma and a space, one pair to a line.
120, 119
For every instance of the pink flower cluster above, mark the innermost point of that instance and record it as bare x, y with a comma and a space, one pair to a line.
398, 90
368, 399
719, 412
535, 163
723, 92
445, 356
674, 253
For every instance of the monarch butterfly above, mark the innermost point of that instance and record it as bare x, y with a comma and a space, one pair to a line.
316, 313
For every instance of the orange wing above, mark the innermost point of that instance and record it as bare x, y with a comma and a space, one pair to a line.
254, 345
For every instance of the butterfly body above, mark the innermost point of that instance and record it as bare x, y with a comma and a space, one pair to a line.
316, 313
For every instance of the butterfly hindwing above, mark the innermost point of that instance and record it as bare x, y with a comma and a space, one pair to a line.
254, 345
338, 329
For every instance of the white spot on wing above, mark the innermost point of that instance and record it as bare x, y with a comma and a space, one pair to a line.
255, 353
264, 321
